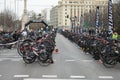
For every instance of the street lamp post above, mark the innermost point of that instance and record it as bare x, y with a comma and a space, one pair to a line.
17, 13
75, 23
4, 14
72, 28
81, 24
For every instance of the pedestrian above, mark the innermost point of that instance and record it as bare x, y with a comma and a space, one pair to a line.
24, 34
115, 35
15, 36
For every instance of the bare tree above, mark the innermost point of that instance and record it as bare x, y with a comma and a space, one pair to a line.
7, 20
116, 16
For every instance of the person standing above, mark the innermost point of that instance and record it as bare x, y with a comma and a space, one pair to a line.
115, 35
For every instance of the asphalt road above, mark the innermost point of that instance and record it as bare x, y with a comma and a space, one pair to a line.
70, 63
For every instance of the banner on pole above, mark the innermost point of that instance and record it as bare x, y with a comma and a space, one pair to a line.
110, 17
97, 19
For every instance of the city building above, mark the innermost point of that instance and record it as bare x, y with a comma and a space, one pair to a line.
61, 15
44, 14
54, 16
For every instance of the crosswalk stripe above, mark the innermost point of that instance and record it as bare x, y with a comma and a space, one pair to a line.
4, 59
106, 77
69, 60
49, 76
79, 60
16, 59
21, 76
10, 59
87, 60
51, 79
78, 77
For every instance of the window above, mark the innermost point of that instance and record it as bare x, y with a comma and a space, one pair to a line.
75, 2
65, 23
103, 2
89, 2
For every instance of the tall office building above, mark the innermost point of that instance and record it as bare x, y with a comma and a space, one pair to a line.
66, 9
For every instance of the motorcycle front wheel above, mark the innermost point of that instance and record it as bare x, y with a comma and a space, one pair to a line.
29, 60
44, 59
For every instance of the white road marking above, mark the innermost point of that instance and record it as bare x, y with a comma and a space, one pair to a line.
77, 77
10, 59
21, 76
0, 75
7, 54
16, 56
10, 55
49, 76
79, 60
69, 60
49, 79
33, 79
87, 60
54, 60
106, 77
4, 59
16, 59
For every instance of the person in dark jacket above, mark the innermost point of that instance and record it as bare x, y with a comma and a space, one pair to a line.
15, 36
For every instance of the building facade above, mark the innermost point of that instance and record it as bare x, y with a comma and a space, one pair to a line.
44, 14
54, 16
61, 14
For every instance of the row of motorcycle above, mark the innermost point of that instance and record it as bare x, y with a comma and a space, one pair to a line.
6, 37
105, 50
39, 48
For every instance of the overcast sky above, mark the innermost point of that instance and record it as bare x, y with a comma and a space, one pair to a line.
35, 5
